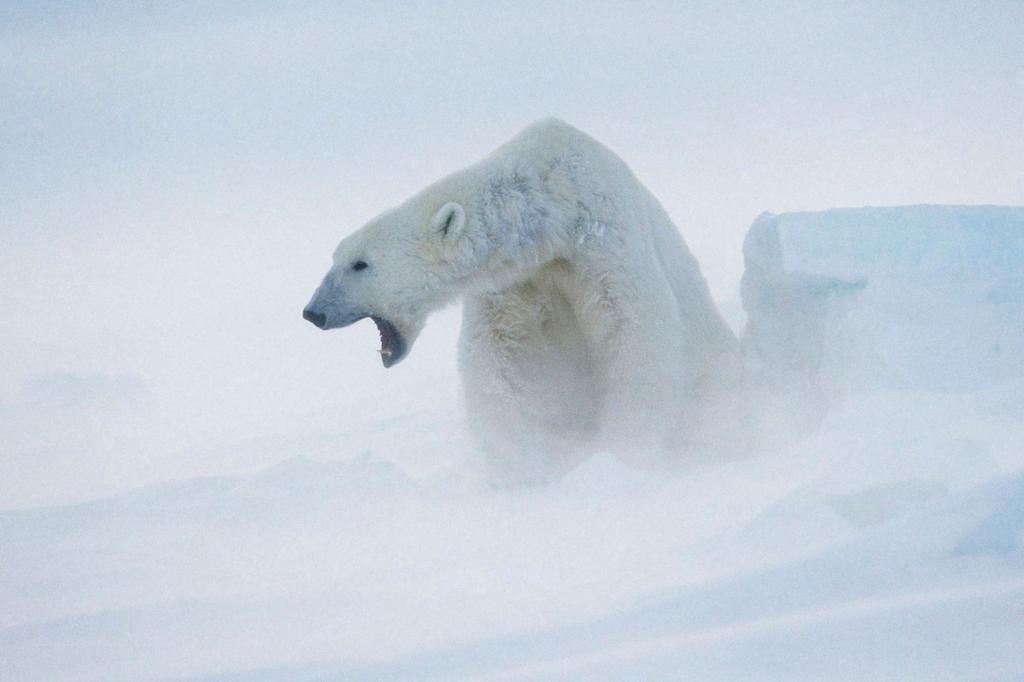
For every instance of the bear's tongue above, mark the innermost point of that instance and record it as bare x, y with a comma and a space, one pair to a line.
391, 344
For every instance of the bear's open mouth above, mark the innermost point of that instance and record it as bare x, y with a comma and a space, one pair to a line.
392, 345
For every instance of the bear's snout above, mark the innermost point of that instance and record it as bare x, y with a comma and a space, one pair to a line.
319, 319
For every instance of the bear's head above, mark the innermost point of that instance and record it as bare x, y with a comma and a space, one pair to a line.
396, 270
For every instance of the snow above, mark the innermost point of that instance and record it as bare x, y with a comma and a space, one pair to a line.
933, 295
896, 540
849, 300
887, 542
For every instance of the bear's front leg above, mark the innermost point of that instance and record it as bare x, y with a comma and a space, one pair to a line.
529, 383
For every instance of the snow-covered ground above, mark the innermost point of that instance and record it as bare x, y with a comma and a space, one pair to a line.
361, 544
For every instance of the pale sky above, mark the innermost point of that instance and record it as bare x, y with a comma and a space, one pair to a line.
723, 109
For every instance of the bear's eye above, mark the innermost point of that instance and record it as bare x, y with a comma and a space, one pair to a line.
359, 265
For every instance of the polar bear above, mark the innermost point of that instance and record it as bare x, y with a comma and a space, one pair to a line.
586, 320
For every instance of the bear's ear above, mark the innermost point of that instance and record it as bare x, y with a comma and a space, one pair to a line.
449, 220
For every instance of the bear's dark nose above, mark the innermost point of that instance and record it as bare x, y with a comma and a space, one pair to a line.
319, 319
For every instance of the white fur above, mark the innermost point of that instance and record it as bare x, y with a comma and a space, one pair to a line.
586, 318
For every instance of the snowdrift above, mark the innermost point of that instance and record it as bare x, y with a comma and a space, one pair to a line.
848, 300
